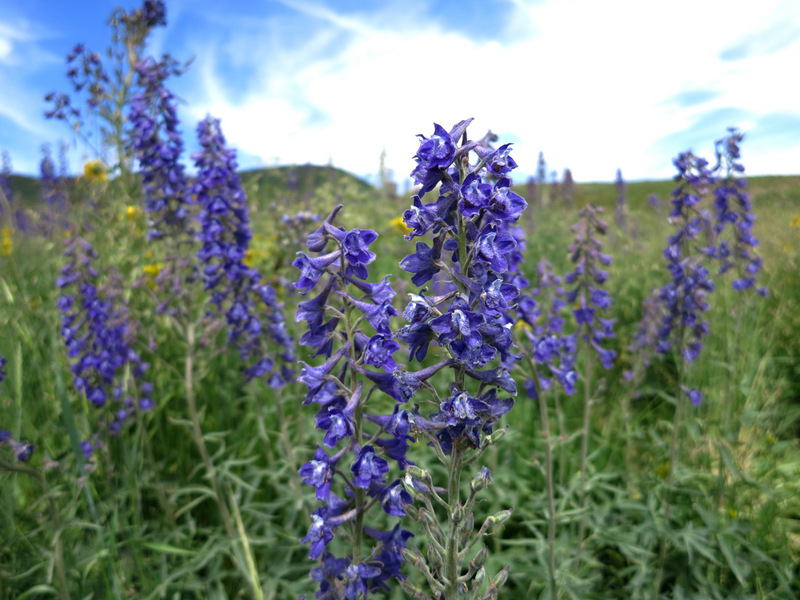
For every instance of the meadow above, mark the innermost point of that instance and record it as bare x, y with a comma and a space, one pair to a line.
182, 460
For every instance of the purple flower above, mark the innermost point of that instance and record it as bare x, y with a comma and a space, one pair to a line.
423, 262
158, 146
319, 473
368, 467
394, 499
98, 337
250, 306
311, 269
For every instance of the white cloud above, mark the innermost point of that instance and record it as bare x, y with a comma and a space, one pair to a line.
587, 86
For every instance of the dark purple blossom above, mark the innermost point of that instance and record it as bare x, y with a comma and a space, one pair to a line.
253, 314
98, 337
158, 146
368, 467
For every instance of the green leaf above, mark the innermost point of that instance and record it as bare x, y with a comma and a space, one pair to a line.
167, 549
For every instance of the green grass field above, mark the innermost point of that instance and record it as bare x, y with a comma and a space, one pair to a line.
142, 518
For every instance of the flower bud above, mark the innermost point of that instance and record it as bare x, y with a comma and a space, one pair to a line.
480, 575
501, 578
496, 436
458, 515
435, 558
417, 473
500, 517
480, 559
482, 479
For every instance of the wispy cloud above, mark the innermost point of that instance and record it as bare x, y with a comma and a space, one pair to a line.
595, 85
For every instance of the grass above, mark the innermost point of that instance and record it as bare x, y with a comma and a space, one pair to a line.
142, 519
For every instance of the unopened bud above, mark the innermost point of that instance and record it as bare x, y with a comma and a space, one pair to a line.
435, 558
496, 436
458, 514
411, 511
427, 517
480, 559
500, 517
501, 578
480, 575
416, 472
482, 479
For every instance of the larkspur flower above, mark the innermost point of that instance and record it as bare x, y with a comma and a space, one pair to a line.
99, 338
732, 209
684, 297
158, 146
591, 300
5, 183
472, 261
252, 312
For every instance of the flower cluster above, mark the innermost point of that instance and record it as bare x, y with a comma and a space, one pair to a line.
589, 298
550, 346
341, 386
98, 340
90, 77
732, 208
475, 249
236, 289
158, 146
684, 298
475, 258
5, 183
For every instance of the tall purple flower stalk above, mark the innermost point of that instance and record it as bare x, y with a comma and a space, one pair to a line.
588, 276
5, 181
158, 146
684, 298
467, 325
98, 338
541, 323
732, 210
349, 323
250, 306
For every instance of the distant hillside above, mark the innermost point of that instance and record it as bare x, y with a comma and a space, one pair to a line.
301, 186
263, 186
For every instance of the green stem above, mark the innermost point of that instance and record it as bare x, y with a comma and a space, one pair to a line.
452, 565
674, 457
585, 431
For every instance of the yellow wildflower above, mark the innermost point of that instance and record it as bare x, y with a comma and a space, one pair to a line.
95, 171
132, 212
248, 257
521, 326
732, 513
153, 269
399, 225
7, 243
795, 222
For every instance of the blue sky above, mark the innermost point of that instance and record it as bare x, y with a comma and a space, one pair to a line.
595, 85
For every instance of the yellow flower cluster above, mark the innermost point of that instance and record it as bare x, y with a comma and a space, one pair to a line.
7, 242
153, 269
399, 225
132, 212
95, 171
795, 222
152, 272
